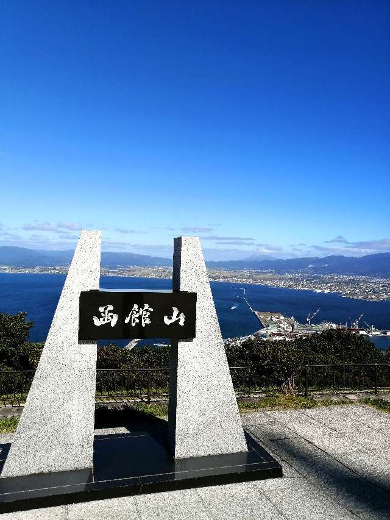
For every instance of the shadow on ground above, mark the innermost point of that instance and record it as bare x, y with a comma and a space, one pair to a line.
356, 489
134, 421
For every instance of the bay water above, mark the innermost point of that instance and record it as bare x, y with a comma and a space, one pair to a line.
38, 294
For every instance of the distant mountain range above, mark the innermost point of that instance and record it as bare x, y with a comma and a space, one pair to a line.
369, 265
23, 257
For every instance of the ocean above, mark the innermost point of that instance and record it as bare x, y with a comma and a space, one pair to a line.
38, 294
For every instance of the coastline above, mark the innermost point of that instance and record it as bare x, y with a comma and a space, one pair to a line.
38, 296
363, 288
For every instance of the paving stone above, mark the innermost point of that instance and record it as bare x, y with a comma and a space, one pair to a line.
270, 432
276, 483
258, 419
341, 417
357, 494
302, 424
297, 445
241, 501
172, 505
333, 433
115, 508
288, 470
319, 482
308, 461
372, 465
303, 500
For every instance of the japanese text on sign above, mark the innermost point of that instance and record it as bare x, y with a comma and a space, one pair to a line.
119, 315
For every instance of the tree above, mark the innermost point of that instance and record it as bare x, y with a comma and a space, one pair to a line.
279, 362
111, 356
14, 348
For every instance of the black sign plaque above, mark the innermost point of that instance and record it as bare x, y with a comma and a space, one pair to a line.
125, 315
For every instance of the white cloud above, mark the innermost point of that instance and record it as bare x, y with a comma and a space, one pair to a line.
237, 239
371, 245
356, 248
115, 243
337, 240
70, 225
129, 231
44, 226
235, 243
218, 254
266, 249
69, 237
6, 237
196, 229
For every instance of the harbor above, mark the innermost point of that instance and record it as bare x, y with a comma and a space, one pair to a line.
276, 326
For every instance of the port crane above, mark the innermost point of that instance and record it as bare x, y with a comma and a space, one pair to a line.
311, 316
355, 324
370, 328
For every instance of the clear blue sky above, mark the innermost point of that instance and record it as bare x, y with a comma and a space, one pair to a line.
257, 125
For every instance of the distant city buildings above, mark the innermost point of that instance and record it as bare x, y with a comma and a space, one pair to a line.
349, 286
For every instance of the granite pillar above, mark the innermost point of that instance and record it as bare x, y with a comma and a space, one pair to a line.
203, 413
55, 432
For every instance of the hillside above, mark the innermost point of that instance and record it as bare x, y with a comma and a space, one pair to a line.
369, 265
23, 257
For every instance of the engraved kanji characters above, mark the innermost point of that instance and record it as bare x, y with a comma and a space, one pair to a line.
176, 316
106, 316
138, 313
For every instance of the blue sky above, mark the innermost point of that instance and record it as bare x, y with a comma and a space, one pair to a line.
260, 126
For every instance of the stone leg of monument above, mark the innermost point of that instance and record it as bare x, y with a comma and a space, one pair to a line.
55, 432
203, 413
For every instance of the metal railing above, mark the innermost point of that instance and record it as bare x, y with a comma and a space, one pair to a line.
344, 376
14, 386
152, 384
142, 384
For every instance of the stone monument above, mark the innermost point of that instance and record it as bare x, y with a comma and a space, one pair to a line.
55, 457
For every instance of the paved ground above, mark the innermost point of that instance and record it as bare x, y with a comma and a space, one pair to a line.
336, 463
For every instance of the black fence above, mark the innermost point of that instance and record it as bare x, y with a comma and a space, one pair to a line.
152, 384
14, 386
344, 377
142, 384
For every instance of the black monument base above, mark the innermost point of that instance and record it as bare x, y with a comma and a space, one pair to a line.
134, 463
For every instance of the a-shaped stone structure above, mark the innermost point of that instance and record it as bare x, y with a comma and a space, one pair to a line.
54, 458
55, 432
203, 413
